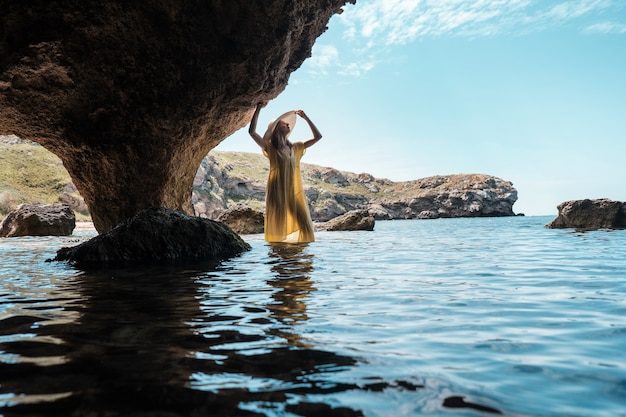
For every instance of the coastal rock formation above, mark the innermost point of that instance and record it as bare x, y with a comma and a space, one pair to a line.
351, 221
132, 95
460, 195
39, 220
590, 215
231, 181
227, 178
159, 236
243, 220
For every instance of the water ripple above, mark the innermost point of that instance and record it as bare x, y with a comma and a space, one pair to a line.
454, 317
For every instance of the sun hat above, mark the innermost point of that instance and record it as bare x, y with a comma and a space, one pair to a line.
289, 117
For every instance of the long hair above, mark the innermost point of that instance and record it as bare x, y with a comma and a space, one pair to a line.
276, 137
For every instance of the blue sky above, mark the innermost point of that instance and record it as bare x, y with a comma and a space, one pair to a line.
531, 91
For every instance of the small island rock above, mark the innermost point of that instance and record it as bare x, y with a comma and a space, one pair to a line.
243, 220
350, 221
590, 215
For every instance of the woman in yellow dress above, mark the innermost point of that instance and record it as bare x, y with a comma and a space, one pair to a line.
287, 217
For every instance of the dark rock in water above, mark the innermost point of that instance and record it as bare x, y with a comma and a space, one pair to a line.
352, 220
157, 235
242, 219
39, 220
590, 215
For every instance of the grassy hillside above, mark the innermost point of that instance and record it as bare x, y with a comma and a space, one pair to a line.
29, 173
255, 167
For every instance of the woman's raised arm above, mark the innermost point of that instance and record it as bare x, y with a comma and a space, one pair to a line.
252, 129
316, 133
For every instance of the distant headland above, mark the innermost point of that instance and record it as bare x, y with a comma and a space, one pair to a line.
32, 174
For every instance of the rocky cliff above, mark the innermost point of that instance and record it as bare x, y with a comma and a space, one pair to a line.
227, 178
131, 96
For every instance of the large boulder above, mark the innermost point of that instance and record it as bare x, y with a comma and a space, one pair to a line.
131, 95
157, 236
242, 219
39, 219
350, 221
590, 215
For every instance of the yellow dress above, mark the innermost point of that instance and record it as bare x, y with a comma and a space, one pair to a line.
287, 217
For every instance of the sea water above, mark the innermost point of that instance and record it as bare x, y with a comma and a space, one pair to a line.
449, 317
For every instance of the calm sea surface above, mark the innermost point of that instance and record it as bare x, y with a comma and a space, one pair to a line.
453, 317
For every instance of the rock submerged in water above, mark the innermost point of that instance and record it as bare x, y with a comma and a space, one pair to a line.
590, 215
158, 235
351, 221
246, 220
39, 219
242, 219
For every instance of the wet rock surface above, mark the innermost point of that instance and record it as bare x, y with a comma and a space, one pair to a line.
156, 236
351, 221
242, 219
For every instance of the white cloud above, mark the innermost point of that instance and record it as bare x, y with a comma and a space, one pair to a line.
373, 25
326, 56
607, 28
573, 9
390, 22
357, 69
323, 57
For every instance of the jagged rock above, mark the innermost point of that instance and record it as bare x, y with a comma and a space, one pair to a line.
336, 177
590, 215
243, 220
460, 195
350, 221
132, 95
38, 219
158, 235
72, 198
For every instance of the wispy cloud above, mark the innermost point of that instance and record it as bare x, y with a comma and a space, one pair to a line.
324, 57
607, 28
371, 26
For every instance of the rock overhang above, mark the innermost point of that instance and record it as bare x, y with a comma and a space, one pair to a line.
132, 96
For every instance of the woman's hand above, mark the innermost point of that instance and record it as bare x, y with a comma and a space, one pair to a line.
316, 133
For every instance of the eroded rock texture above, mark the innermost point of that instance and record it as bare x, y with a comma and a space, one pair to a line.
601, 213
156, 236
132, 95
39, 219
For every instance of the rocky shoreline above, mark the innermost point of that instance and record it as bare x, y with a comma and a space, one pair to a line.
225, 179
228, 179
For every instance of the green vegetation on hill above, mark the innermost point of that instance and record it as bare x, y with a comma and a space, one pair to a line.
29, 173
255, 167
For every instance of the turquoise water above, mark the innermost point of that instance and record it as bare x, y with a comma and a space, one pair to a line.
450, 317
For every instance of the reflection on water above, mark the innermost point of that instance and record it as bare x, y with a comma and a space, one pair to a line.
292, 267
164, 340
458, 317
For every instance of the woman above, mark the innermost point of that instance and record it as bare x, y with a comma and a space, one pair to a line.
287, 217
